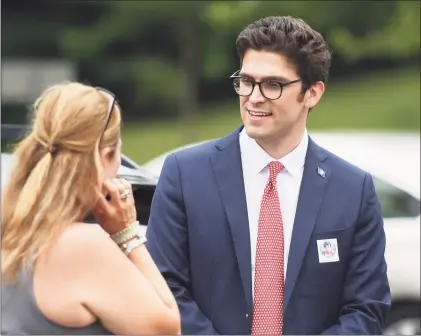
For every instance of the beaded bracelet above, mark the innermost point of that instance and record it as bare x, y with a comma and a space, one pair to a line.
128, 233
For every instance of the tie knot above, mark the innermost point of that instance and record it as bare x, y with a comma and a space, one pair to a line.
275, 168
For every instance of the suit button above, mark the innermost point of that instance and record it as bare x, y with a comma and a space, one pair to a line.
247, 315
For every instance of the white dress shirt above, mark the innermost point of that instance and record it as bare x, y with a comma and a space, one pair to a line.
256, 176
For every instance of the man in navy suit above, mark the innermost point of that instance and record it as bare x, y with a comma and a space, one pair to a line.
263, 231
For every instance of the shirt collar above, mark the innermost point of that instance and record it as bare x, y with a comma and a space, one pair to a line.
257, 159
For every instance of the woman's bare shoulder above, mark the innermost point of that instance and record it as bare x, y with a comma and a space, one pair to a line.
82, 233
82, 244
83, 236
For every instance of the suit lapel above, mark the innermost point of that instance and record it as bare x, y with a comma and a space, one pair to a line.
228, 170
226, 162
315, 179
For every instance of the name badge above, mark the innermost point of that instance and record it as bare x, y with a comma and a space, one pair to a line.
328, 250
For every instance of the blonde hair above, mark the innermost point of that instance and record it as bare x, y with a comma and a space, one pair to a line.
48, 191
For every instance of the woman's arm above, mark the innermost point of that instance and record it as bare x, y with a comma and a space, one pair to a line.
141, 258
128, 295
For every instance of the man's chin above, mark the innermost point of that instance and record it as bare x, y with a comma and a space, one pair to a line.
256, 133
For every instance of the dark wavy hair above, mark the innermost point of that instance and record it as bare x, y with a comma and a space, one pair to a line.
293, 38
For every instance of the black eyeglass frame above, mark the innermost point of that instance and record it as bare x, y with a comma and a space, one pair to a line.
259, 84
113, 101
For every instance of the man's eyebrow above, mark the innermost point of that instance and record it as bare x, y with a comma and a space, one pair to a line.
274, 78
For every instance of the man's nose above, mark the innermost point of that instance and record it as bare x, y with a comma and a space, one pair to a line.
256, 96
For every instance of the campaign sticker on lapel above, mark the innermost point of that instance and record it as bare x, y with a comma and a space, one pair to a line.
328, 250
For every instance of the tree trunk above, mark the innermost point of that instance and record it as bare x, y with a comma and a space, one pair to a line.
189, 54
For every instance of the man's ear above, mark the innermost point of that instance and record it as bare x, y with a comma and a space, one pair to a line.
313, 94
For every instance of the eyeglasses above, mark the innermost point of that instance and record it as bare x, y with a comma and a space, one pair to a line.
112, 102
270, 89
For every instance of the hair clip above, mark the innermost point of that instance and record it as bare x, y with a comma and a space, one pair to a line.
53, 149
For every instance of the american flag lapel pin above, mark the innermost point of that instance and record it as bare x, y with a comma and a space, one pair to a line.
321, 172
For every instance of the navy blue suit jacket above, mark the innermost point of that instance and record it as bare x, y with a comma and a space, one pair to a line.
198, 235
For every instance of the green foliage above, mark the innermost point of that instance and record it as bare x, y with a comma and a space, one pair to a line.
155, 75
399, 38
138, 47
355, 30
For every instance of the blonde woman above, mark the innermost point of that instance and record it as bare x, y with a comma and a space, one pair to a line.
60, 275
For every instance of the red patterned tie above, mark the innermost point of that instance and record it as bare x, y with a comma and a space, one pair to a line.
269, 270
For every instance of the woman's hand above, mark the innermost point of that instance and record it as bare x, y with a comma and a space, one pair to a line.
119, 211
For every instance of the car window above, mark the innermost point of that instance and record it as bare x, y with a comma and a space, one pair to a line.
394, 201
7, 146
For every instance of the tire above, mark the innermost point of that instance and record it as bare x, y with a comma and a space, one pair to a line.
404, 319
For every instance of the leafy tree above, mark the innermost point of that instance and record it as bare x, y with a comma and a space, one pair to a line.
159, 56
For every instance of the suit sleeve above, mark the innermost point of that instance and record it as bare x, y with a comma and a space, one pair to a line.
167, 243
366, 297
